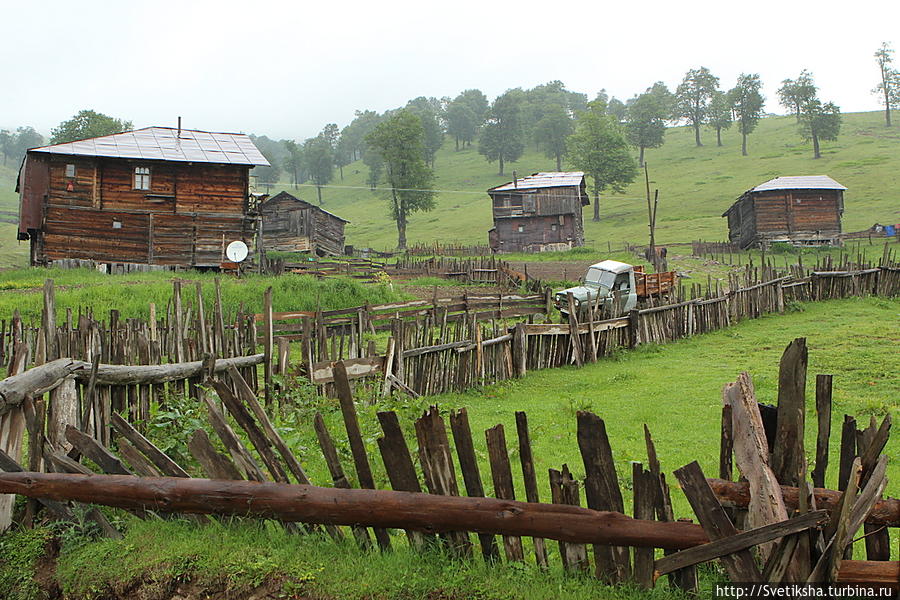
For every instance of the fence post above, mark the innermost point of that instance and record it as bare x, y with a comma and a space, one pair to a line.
268, 342
633, 324
520, 347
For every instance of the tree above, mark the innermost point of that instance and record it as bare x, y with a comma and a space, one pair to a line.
293, 162
819, 122
400, 143
889, 87
372, 159
599, 148
693, 96
747, 104
502, 137
719, 117
462, 122
551, 131
617, 108
25, 139
646, 116
7, 144
794, 93
343, 152
87, 124
428, 110
477, 101
276, 153
319, 162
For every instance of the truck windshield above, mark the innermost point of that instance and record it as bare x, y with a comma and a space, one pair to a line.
599, 277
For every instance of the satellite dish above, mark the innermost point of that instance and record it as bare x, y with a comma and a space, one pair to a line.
237, 251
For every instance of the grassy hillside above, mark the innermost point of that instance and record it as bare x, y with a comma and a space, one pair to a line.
696, 185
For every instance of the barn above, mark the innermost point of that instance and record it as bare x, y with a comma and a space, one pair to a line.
804, 211
290, 224
153, 196
538, 213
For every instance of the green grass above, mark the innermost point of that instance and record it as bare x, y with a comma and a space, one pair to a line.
20, 551
675, 389
248, 554
696, 186
131, 294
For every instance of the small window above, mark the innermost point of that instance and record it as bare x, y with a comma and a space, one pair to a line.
554, 227
521, 229
70, 170
562, 219
142, 178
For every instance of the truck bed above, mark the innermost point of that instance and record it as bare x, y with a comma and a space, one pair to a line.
653, 284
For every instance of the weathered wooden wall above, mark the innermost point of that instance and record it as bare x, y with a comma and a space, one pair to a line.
186, 217
292, 225
547, 216
808, 216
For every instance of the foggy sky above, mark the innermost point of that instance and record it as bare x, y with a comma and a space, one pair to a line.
284, 69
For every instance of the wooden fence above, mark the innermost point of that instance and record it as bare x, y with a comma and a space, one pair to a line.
792, 541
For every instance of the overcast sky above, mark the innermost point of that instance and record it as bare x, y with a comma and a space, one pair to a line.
284, 69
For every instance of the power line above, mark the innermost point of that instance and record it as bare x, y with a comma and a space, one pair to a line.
436, 191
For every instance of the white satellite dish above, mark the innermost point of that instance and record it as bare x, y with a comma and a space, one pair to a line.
237, 251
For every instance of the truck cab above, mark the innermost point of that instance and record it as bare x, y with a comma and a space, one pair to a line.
608, 283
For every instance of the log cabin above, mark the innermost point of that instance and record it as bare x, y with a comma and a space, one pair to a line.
153, 196
290, 224
803, 211
538, 213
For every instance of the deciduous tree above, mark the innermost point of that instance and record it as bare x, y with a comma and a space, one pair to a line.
645, 119
747, 103
400, 144
462, 122
693, 96
87, 124
719, 114
429, 111
819, 122
794, 93
599, 148
502, 138
551, 131
293, 162
888, 89
318, 158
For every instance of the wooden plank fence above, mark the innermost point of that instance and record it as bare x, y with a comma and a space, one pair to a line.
804, 546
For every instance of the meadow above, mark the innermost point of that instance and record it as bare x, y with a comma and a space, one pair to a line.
696, 185
675, 389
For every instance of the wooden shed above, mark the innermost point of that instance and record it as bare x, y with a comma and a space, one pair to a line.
804, 210
155, 196
538, 213
290, 224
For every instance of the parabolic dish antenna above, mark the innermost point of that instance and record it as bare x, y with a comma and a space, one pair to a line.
237, 251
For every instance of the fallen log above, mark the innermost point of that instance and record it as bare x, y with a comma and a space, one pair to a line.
737, 495
374, 508
13, 390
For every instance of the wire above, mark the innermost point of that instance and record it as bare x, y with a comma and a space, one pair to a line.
436, 191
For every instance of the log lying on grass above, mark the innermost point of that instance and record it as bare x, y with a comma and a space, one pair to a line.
13, 390
737, 495
375, 508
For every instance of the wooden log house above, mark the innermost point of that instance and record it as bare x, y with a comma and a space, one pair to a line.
538, 213
153, 196
290, 224
803, 211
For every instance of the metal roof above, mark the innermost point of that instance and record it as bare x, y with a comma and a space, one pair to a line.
802, 182
165, 143
543, 180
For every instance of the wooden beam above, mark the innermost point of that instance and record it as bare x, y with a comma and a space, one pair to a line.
376, 508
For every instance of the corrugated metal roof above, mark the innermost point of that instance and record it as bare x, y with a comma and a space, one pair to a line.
164, 143
802, 182
542, 180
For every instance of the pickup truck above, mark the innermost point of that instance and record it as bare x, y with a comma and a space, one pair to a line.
617, 285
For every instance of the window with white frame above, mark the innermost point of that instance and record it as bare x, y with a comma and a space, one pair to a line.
70, 171
142, 178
